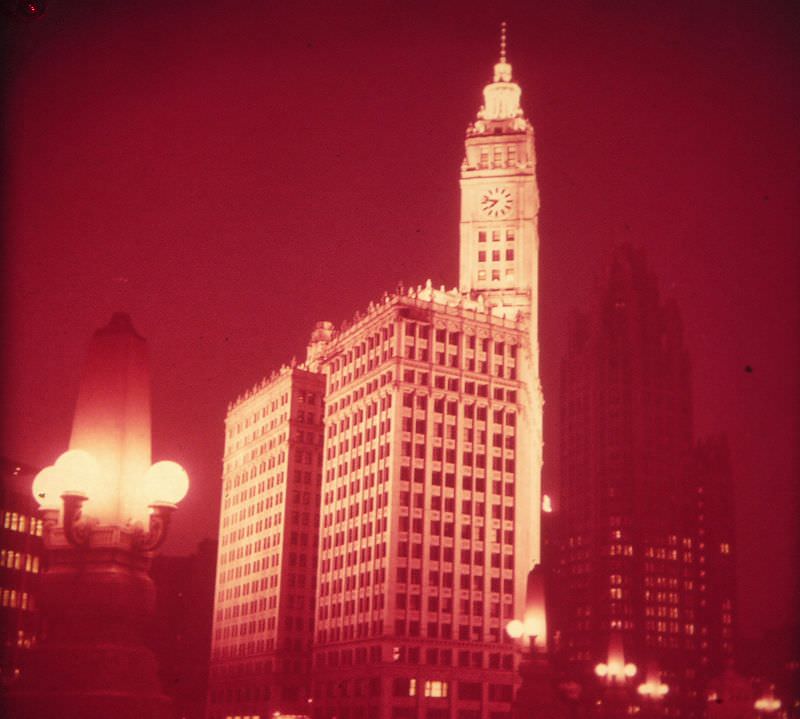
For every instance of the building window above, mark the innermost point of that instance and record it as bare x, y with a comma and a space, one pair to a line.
509, 235
495, 274
435, 688
512, 155
510, 253
481, 256
495, 255
482, 236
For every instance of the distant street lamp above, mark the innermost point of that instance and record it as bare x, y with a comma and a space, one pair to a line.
615, 674
105, 511
768, 704
537, 697
652, 691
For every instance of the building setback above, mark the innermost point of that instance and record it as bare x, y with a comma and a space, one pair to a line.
266, 566
644, 523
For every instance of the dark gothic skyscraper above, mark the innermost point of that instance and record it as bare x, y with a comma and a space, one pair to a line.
644, 526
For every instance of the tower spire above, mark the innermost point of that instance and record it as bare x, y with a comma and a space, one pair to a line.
503, 42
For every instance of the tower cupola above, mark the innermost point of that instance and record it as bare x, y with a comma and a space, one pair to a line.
501, 97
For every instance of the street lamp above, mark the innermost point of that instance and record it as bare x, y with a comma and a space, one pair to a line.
105, 511
615, 674
537, 695
767, 704
74, 480
652, 690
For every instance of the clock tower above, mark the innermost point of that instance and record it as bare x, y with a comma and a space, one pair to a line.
500, 201
499, 263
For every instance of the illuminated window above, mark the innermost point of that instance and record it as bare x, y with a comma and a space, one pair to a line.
435, 688
725, 548
481, 274
412, 687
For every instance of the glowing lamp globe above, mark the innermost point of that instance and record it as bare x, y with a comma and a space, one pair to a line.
535, 625
515, 629
630, 670
165, 483
48, 486
601, 670
80, 473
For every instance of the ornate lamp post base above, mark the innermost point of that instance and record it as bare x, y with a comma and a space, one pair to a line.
92, 662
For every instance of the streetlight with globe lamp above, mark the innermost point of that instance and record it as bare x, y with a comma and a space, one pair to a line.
652, 692
105, 511
615, 673
537, 696
768, 704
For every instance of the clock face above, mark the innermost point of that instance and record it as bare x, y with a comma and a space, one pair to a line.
496, 202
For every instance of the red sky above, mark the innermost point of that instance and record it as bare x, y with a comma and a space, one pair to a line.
231, 172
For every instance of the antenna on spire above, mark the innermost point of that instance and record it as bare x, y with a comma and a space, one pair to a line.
503, 41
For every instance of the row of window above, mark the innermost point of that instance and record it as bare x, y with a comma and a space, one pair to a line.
496, 156
466, 632
235, 442
269, 407
438, 688
17, 522
496, 255
421, 332
437, 553
496, 235
414, 577
481, 366
495, 275
19, 560
15, 599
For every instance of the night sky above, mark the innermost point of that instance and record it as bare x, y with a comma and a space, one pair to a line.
231, 172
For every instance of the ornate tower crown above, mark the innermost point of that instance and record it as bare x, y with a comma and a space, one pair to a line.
501, 97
